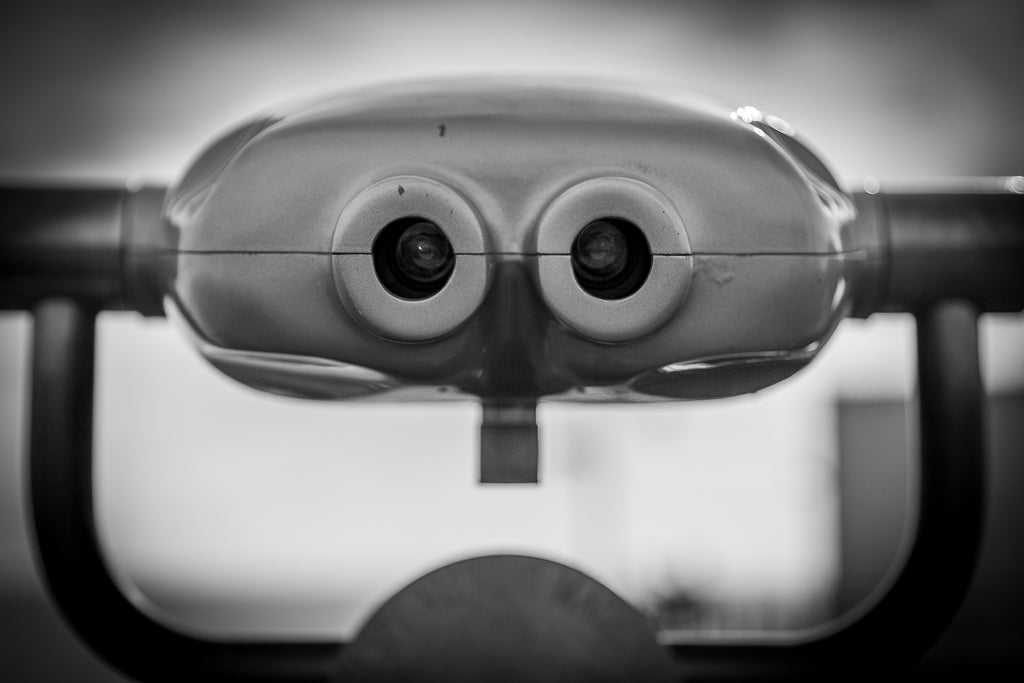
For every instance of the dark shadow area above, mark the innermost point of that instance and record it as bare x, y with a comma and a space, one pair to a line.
35, 645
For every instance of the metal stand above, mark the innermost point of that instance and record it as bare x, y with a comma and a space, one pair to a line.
72, 254
903, 624
898, 629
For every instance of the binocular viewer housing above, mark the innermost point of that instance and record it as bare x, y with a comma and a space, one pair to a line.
510, 242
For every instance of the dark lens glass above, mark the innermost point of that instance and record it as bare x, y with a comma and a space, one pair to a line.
423, 253
611, 258
413, 258
601, 250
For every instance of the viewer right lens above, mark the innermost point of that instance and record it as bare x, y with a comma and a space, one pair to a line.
413, 258
610, 258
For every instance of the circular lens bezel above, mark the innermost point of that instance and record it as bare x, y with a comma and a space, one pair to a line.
360, 290
634, 271
663, 291
394, 275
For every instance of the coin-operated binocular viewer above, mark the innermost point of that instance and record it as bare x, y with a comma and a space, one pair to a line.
510, 244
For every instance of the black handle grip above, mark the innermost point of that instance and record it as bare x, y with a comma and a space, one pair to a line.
924, 248
93, 244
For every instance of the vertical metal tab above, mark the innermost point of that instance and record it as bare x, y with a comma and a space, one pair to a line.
508, 443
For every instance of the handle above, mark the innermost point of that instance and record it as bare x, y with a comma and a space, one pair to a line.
73, 253
924, 248
107, 247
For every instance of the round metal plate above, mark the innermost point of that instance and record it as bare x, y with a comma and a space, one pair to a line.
506, 618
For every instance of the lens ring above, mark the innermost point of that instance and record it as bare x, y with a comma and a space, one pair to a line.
662, 292
611, 258
362, 293
413, 258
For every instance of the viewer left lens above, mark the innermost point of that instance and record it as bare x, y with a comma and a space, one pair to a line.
413, 258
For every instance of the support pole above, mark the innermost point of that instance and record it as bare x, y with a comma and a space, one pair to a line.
67, 544
943, 543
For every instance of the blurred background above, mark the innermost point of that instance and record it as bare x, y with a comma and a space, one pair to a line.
233, 513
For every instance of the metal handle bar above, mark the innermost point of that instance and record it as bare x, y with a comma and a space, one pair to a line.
67, 254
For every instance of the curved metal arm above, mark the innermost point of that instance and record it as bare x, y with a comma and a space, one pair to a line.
61, 242
107, 247
925, 248
68, 547
901, 627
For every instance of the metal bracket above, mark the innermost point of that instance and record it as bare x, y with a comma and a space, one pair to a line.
899, 628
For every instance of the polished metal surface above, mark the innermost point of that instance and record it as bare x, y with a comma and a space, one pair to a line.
746, 238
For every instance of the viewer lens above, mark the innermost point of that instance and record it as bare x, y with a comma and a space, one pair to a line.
601, 250
413, 258
423, 253
610, 258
